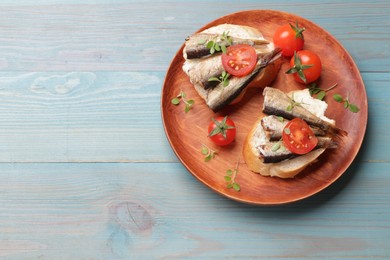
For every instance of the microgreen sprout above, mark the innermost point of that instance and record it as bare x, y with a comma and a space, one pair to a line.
292, 104
223, 78
220, 46
318, 92
347, 105
182, 97
208, 153
230, 179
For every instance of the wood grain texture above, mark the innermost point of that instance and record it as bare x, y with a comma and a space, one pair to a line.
80, 87
109, 211
80, 116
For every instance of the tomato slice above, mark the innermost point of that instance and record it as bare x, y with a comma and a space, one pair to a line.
298, 137
239, 60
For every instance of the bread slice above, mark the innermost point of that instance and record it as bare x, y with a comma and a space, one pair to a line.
196, 69
284, 169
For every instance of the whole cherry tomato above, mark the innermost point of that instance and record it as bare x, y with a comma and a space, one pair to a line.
289, 38
222, 130
306, 66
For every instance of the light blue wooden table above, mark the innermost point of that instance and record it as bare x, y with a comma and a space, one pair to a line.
87, 172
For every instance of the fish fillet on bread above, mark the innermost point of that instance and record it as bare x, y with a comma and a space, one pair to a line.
265, 162
200, 64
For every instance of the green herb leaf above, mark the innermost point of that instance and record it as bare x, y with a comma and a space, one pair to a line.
230, 179
321, 94
312, 88
182, 97
208, 153
353, 108
287, 130
224, 78
223, 48
225, 83
236, 186
318, 92
346, 104
175, 101
289, 108
338, 98
220, 44
189, 103
315, 91
214, 79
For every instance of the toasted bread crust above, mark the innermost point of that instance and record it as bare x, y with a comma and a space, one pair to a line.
251, 156
284, 169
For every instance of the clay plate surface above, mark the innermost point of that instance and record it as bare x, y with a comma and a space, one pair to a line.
186, 132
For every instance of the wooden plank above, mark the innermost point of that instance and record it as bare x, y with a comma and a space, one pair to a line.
105, 36
115, 117
106, 211
49, 116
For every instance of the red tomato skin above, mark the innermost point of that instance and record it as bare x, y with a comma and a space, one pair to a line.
239, 60
219, 139
300, 139
285, 39
308, 58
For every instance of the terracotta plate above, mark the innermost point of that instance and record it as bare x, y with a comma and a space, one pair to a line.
187, 132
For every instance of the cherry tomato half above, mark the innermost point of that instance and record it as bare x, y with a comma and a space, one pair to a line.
222, 130
306, 66
239, 60
298, 137
289, 38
